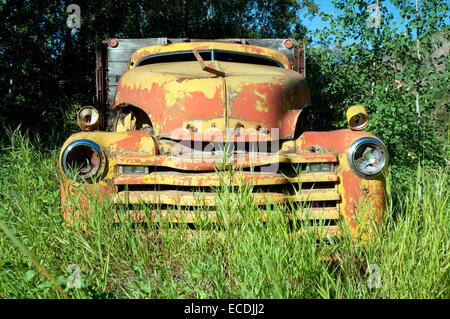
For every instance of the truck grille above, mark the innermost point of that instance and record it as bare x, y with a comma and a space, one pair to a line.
171, 192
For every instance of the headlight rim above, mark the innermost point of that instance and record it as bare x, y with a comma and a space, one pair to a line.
95, 147
82, 124
355, 145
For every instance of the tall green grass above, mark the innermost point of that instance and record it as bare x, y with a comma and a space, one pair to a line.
249, 259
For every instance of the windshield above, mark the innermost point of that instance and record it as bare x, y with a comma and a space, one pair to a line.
210, 55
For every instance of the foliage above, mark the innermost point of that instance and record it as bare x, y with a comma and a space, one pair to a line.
386, 70
252, 260
47, 72
46, 69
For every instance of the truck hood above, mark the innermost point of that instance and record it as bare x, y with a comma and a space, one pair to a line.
185, 102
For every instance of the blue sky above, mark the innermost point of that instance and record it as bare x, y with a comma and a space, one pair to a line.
328, 7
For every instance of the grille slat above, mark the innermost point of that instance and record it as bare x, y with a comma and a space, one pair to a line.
188, 216
179, 191
186, 198
211, 162
217, 179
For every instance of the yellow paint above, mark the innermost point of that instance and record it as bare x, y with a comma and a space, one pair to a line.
171, 76
209, 199
129, 124
257, 160
219, 124
288, 147
216, 179
186, 216
373, 204
261, 106
352, 113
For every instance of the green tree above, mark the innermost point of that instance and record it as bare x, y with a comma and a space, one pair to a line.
401, 77
46, 69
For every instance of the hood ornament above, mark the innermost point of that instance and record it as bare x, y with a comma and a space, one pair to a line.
205, 67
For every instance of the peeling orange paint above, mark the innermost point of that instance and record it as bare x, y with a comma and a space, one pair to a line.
246, 105
173, 93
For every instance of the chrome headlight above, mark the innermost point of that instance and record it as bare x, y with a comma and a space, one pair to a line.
367, 157
84, 157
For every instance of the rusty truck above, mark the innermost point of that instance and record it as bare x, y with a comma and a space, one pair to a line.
171, 114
